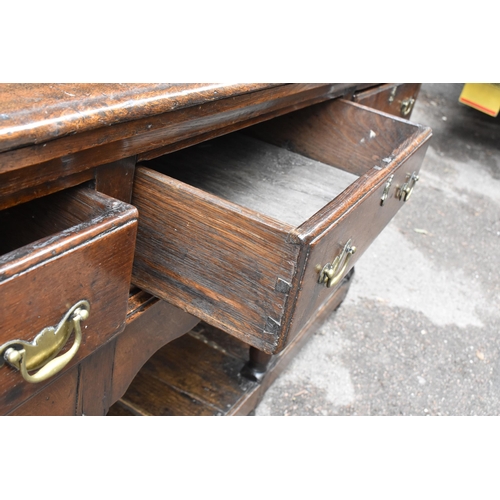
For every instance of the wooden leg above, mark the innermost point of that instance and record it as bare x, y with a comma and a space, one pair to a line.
257, 365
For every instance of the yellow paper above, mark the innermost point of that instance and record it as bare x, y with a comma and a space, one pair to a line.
484, 97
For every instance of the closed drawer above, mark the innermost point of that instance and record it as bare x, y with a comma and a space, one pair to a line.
395, 98
73, 248
239, 231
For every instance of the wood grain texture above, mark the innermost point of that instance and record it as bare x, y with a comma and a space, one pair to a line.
189, 239
34, 113
52, 161
162, 399
259, 176
95, 381
212, 258
26, 185
194, 374
85, 251
116, 179
341, 133
388, 97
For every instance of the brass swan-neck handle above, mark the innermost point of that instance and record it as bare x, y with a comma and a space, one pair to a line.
41, 353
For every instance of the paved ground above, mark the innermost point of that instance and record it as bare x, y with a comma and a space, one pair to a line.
419, 332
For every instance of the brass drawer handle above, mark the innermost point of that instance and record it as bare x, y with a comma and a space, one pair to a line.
332, 273
41, 353
406, 189
407, 106
387, 188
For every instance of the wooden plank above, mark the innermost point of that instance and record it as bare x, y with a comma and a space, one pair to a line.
150, 396
195, 374
39, 112
341, 133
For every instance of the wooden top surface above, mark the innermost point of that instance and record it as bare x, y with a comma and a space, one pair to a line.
35, 113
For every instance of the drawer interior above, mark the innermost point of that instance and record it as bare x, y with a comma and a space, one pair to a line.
233, 230
257, 175
43, 218
290, 167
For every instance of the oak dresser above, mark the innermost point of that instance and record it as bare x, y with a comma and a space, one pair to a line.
132, 214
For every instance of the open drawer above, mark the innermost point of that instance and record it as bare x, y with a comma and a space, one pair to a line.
253, 231
65, 267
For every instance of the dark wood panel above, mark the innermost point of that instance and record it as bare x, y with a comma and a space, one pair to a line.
157, 324
39, 282
291, 103
23, 189
116, 179
95, 380
57, 399
340, 133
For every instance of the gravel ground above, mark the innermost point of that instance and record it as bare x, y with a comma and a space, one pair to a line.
418, 331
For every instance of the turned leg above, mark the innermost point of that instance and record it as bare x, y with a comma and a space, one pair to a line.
256, 367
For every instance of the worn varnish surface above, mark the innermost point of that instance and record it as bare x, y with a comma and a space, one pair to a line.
236, 267
34, 113
39, 169
77, 245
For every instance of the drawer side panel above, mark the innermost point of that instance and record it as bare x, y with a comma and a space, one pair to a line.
211, 259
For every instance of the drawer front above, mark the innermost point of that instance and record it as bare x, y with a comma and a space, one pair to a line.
359, 225
87, 258
239, 261
395, 98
